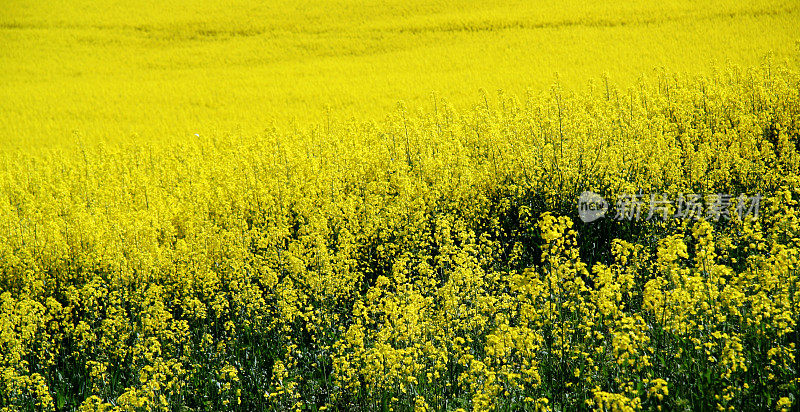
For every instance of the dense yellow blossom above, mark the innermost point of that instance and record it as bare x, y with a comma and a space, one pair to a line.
430, 261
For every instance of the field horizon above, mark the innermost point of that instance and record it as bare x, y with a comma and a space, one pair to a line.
110, 72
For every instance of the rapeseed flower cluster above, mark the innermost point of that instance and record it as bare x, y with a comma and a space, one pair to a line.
432, 261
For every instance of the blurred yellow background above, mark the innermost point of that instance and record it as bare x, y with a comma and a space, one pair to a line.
112, 69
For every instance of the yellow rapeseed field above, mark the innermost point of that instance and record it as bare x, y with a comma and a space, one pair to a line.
383, 207
167, 69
